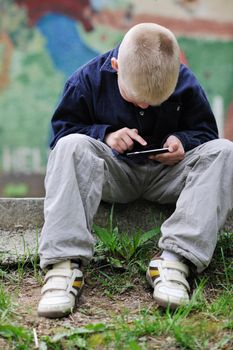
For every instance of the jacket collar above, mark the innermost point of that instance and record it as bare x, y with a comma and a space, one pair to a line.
106, 66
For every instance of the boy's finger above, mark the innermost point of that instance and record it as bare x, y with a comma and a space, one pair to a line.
133, 133
128, 141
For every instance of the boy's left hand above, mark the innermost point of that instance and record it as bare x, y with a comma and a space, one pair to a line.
176, 152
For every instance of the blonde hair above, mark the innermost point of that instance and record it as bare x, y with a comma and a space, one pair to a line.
148, 63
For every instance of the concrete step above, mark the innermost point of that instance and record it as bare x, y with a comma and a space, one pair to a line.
21, 220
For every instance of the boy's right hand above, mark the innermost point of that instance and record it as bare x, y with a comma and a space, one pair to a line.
123, 139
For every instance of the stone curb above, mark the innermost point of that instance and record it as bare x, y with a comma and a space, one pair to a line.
27, 213
16, 213
21, 220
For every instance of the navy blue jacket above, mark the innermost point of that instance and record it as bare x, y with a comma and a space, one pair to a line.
92, 105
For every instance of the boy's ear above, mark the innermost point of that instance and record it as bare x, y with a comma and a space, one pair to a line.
114, 63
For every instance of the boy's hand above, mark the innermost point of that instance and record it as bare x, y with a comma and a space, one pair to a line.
176, 152
123, 139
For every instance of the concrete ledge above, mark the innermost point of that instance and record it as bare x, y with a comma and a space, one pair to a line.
16, 213
27, 213
21, 221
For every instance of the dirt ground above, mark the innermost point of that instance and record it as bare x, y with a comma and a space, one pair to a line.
93, 307
96, 307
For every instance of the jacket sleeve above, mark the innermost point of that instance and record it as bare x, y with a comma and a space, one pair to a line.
74, 114
197, 123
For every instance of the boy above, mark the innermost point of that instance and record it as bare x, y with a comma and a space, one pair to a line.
134, 96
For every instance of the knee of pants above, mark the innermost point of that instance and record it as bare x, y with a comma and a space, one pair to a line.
73, 142
220, 145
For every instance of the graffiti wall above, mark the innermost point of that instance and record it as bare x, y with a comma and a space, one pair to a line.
43, 42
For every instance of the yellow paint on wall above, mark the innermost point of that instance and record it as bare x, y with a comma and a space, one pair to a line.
219, 10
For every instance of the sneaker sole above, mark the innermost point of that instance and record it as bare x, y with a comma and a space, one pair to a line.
172, 305
54, 314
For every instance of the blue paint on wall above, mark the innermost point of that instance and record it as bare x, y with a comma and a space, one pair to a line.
64, 44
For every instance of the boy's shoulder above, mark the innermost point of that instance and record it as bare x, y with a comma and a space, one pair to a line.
186, 75
187, 82
93, 68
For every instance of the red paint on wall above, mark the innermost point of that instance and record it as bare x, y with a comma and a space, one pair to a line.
183, 58
72, 8
228, 127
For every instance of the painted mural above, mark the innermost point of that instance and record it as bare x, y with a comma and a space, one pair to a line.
42, 42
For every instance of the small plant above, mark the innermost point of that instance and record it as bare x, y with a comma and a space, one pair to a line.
34, 260
18, 336
27, 259
3, 273
122, 249
227, 270
22, 260
5, 304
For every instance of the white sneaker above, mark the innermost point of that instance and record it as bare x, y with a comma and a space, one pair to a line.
168, 278
63, 284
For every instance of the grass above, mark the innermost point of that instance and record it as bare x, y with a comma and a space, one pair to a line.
119, 266
27, 259
187, 328
5, 304
17, 336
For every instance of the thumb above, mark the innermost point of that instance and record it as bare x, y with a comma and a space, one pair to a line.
173, 146
170, 145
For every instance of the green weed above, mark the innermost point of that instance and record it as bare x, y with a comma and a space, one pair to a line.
122, 249
22, 260
27, 260
117, 252
114, 283
226, 269
35, 261
6, 308
19, 337
223, 305
3, 273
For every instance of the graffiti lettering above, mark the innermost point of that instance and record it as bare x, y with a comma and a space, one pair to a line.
24, 160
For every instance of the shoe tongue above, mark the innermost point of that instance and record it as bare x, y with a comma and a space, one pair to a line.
63, 265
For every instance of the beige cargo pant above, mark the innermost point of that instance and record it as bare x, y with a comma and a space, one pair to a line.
81, 171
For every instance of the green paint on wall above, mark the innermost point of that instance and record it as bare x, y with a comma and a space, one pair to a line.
212, 63
27, 104
15, 190
102, 39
